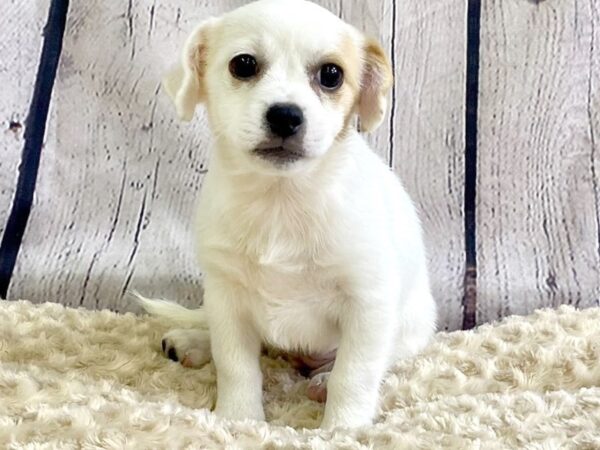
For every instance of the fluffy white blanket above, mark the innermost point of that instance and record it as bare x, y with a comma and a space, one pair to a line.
72, 378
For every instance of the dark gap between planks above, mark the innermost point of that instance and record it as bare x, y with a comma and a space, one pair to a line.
471, 107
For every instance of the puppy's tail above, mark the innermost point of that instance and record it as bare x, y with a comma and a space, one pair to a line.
172, 311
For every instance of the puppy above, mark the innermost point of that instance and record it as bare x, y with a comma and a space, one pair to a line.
307, 241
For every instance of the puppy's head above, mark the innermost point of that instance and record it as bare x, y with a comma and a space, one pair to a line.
281, 80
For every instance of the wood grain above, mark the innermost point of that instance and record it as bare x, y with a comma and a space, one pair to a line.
538, 164
119, 172
428, 136
21, 22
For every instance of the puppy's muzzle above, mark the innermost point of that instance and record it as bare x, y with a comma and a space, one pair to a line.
285, 121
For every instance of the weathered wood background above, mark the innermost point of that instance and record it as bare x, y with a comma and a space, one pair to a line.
119, 174
21, 24
539, 156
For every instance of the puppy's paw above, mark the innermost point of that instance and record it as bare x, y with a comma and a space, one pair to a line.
190, 347
317, 387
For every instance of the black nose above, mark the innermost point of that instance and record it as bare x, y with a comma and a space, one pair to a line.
284, 119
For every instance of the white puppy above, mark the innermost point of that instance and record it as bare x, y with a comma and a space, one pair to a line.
307, 240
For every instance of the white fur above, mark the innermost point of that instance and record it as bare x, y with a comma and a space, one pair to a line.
320, 254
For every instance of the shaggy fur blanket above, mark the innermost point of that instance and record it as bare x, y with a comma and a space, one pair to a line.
73, 378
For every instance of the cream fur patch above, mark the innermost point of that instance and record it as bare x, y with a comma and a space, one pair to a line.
76, 378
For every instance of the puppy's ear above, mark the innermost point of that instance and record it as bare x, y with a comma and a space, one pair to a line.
376, 81
185, 82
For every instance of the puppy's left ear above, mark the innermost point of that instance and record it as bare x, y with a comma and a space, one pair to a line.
376, 81
185, 82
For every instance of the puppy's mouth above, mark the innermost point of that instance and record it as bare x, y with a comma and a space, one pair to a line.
279, 153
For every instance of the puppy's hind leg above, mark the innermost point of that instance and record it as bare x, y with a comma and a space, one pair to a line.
191, 347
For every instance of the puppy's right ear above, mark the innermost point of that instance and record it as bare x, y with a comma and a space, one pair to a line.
185, 82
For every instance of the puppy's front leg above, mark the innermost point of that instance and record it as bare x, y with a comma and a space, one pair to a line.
353, 388
235, 348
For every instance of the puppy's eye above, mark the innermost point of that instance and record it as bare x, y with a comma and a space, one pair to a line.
243, 66
331, 76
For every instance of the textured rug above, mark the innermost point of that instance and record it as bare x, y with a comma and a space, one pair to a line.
81, 379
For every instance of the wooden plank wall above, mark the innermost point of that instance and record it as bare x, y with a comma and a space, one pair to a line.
119, 174
428, 136
125, 169
21, 25
538, 156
